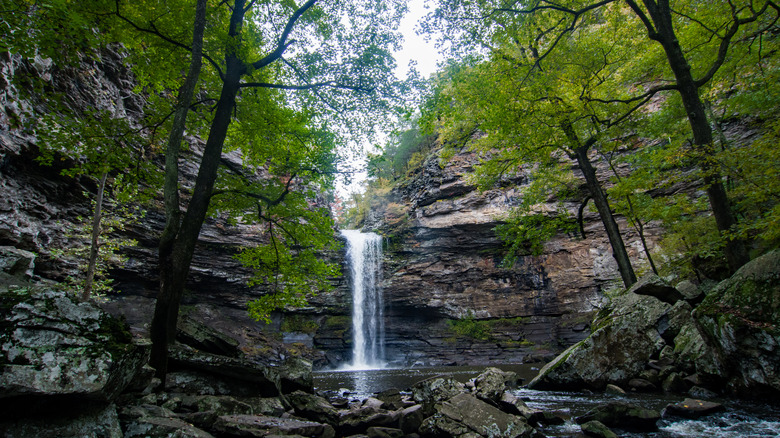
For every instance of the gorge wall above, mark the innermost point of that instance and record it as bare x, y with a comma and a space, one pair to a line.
442, 258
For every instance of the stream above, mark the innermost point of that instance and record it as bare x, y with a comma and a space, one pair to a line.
740, 419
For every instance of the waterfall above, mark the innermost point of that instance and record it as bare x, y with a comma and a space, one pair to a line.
364, 254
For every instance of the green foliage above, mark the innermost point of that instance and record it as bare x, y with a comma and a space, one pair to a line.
469, 327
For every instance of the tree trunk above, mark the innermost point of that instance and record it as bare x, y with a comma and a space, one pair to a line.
163, 309
94, 248
605, 213
736, 252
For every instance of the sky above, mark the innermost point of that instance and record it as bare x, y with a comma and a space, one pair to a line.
415, 48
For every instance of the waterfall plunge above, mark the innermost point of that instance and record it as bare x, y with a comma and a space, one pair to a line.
364, 254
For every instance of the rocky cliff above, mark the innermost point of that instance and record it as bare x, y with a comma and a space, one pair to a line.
442, 258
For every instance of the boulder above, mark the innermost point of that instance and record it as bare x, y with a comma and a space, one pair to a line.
491, 384
57, 350
655, 286
597, 429
622, 416
260, 426
739, 321
625, 339
464, 415
435, 390
411, 418
313, 407
358, 420
295, 374
692, 408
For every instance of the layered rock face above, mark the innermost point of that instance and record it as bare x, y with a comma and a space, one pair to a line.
443, 262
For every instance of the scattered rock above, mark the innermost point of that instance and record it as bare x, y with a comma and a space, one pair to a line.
491, 384
259, 426
313, 407
692, 408
159, 427
622, 416
464, 415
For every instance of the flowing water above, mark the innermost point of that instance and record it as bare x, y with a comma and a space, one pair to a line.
741, 418
364, 255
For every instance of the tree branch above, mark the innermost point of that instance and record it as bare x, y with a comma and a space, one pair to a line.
282, 44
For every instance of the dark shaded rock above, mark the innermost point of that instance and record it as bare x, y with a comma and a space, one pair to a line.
674, 383
411, 418
692, 408
465, 415
369, 415
701, 393
392, 399
642, 385
654, 286
209, 374
384, 432
161, 427
693, 294
512, 404
293, 375
313, 407
614, 389
259, 426
87, 421
597, 429
17, 262
622, 416
199, 336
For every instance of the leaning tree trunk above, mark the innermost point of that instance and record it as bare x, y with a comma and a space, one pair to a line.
607, 218
94, 249
736, 252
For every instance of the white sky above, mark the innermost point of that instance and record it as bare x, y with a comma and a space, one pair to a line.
415, 48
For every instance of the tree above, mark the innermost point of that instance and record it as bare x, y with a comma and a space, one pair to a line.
713, 27
529, 110
258, 53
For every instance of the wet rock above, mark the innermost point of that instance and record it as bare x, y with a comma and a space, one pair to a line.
597, 429
392, 399
466, 416
654, 286
259, 426
622, 416
674, 383
692, 408
313, 407
87, 421
514, 405
641, 385
614, 389
701, 393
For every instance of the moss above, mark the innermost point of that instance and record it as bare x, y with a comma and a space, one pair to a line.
338, 321
299, 324
470, 328
113, 336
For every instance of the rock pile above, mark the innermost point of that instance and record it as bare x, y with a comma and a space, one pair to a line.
659, 338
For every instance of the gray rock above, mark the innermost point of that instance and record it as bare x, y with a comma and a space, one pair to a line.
466, 416
313, 407
384, 432
435, 390
655, 286
202, 337
17, 262
623, 416
54, 346
411, 418
259, 426
492, 383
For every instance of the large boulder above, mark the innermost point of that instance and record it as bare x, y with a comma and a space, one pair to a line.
434, 390
464, 415
259, 426
739, 320
626, 338
57, 350
16, 262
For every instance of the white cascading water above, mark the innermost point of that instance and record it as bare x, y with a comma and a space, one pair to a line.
364, 255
